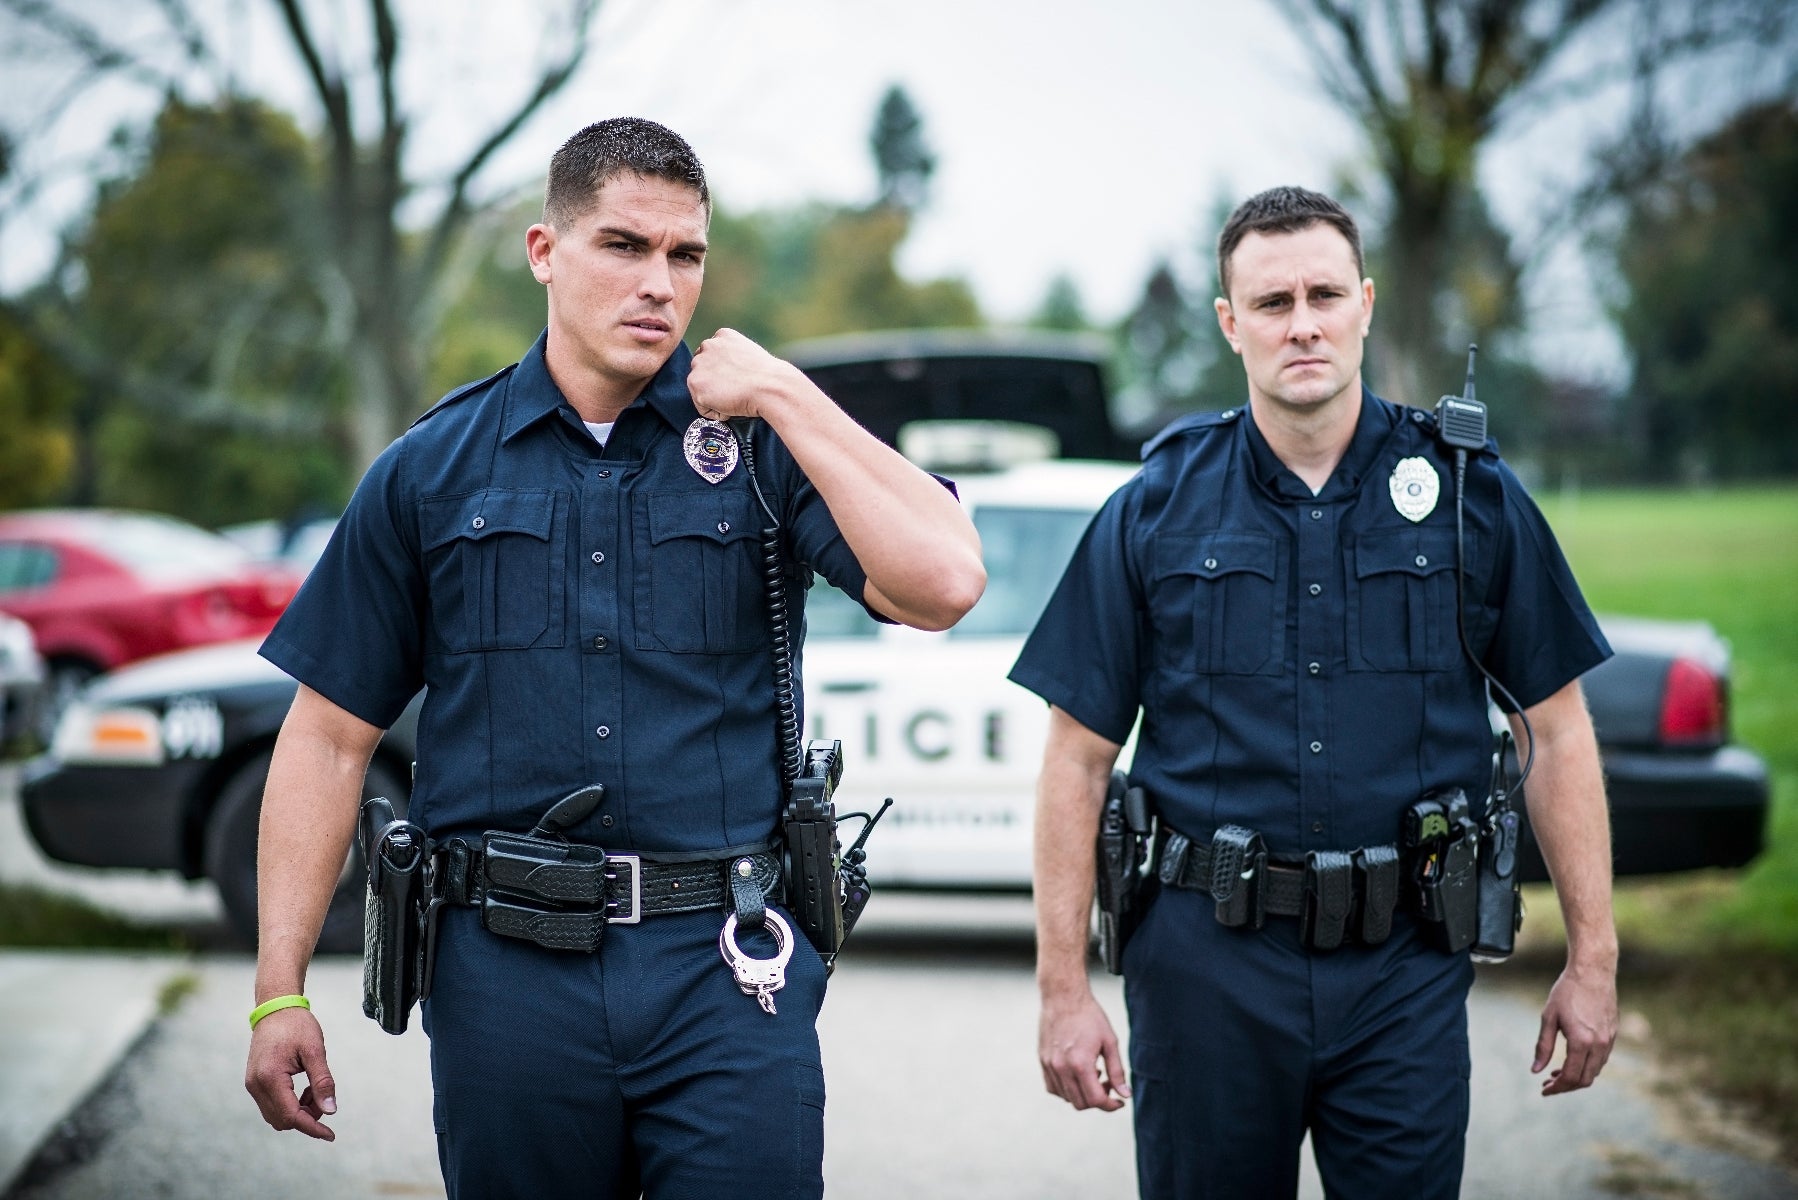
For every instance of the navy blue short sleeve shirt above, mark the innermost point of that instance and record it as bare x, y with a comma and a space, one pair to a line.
577, 615
1294, 656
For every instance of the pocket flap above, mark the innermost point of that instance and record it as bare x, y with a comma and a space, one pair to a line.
719, 519
1214, 555
1410, 551
482, 514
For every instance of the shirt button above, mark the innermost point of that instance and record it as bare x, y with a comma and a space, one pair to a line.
600, 643
1316, 826
1317, 514
599, 556
606, 820
724, 527
1316, 747
1314, 668
1316, 588
1422, 561
480, 522
604, 731
605, 474
1211, 564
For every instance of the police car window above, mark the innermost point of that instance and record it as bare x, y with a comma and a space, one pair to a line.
1026, 550
831, 614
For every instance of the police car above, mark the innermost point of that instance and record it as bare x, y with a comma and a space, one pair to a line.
929, 718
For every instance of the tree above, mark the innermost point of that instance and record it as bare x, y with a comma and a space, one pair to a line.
1172, 357
1710, 312
1430, 82
1062, 308
379, 286
901, 156
37, 399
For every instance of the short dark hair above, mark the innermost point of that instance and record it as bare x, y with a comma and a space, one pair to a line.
1284, 210
607, 149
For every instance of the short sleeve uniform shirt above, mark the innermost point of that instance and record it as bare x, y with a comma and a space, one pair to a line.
576, 614
1294, 656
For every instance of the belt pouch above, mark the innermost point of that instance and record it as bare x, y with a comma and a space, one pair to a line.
1238, 869
1329, 895
1376, 886
553, 871
393, 919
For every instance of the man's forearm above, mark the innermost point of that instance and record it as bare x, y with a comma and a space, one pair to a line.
308, 820
1566, 800
1070, 793
909, 533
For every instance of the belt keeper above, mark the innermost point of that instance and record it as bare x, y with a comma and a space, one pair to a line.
1376, 884
746, 897
1238, 870
1329, 896
1173, 858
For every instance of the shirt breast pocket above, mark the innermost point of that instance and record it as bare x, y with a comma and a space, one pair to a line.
1402, 602
698, 588
494, 570
1216, 600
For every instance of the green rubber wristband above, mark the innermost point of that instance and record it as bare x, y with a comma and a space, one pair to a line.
276, 1005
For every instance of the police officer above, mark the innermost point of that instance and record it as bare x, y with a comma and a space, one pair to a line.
1275, 594
567, 556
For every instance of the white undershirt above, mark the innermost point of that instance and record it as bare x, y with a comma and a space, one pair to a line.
600, 432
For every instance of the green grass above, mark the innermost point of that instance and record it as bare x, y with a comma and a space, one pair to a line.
1712, 959
33, 918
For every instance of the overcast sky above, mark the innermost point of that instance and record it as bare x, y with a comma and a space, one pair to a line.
1089, 137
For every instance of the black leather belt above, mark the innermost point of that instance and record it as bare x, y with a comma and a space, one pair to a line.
567, 905
1284, 886
1337, 895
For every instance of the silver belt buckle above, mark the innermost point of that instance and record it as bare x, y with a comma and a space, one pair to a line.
636, 865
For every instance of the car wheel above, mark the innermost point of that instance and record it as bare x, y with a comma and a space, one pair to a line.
231, 855
63, 680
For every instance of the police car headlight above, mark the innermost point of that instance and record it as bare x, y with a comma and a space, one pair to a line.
112, 735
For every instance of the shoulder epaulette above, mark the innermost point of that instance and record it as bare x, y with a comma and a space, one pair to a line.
1190, 423
465, 390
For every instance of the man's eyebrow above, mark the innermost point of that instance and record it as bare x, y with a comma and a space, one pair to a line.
1271, 294
638, 239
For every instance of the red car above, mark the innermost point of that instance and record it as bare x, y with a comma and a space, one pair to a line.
101, 588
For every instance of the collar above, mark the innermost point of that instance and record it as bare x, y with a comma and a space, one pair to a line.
1375, 424
532, 396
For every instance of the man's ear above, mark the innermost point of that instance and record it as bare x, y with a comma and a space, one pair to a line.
1366, 307
539, 240
1226, 321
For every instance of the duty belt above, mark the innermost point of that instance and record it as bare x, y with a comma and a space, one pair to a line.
566, 904
1335, 894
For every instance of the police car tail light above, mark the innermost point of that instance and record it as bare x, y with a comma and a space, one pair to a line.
114, 736
1694, 706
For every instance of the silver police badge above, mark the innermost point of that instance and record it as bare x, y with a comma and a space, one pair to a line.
1415, 486
711, 449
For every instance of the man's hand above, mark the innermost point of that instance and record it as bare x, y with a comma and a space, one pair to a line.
732, 376
1582, 1007
285, 1044
1074, 1037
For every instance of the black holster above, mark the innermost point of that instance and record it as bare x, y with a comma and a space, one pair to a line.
816, 889
1126, 832
1442, 841
396, 919
1500, 899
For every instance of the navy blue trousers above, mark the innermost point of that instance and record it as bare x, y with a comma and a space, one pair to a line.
1242, 1041
639, 1069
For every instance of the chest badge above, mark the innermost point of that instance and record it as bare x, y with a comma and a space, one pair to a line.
1415, 487
711, 449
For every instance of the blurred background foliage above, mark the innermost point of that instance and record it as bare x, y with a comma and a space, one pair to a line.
243, 319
